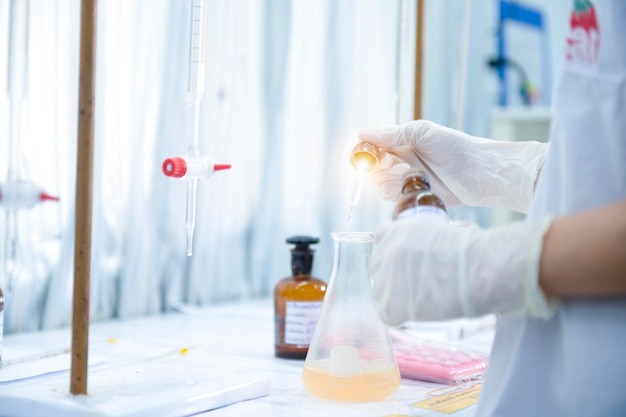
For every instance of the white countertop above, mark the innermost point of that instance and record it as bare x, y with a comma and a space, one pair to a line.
197, 360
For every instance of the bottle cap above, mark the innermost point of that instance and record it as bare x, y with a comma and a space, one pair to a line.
302, 241
302, 254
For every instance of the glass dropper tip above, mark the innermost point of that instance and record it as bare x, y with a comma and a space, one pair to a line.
356, 193
352, 207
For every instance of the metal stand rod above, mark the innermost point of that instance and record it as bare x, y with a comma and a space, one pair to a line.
419, 52
84, 185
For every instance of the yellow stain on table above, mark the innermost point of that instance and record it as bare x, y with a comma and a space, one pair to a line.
453, 402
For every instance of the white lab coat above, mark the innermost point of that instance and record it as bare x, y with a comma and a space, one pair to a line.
575, 363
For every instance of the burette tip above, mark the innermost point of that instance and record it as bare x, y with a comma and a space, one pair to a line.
189, 250
47, 197
220, 167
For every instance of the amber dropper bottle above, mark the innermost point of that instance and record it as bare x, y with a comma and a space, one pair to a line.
297, 302
417, 197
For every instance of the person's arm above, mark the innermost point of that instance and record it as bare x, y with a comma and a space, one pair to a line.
424, 268
584, 254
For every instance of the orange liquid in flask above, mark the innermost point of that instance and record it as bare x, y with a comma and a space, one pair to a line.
370, 385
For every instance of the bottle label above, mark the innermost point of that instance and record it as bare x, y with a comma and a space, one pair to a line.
300, 320
413, 211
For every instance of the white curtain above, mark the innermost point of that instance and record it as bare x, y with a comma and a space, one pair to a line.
288, 85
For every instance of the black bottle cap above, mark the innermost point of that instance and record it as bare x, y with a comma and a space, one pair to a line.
302, 254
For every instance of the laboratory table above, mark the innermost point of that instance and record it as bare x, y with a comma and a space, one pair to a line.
216, 361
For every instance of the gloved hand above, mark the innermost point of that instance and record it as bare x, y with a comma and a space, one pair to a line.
424, 268
463, 169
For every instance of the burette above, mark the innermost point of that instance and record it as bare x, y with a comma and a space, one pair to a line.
196, 69
193, 167
16, 192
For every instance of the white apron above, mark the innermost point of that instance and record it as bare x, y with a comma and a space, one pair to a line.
575, 363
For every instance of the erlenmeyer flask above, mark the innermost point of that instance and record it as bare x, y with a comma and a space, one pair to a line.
351, 357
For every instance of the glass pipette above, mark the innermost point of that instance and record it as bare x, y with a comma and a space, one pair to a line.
364, 159
16, 88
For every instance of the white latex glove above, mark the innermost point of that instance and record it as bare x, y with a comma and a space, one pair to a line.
463, 169
424, 268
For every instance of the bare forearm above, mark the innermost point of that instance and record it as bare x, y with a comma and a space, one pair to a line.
584, 254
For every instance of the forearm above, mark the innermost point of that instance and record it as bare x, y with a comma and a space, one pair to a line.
512, 170
584, 254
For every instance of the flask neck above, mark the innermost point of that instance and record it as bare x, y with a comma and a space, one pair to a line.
351, 263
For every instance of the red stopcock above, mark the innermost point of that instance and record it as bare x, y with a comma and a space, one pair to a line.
191, 167
22, 194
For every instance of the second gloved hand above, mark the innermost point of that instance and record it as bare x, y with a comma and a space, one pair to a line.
463, 169
424, 268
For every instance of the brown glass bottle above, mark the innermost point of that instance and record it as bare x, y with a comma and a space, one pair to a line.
297, 302
417, 196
